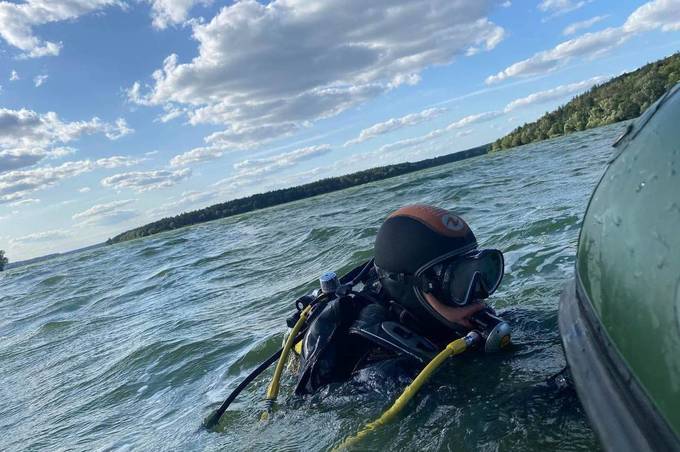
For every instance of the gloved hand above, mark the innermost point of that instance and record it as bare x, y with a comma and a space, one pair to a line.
458, 314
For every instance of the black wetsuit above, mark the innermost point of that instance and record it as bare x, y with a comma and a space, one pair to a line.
361, 330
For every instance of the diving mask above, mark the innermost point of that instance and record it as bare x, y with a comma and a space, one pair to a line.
462, 279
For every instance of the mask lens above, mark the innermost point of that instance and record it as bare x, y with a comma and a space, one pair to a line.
491, 268
459, 276
458, 283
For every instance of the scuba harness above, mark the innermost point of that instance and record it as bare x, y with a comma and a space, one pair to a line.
337, 307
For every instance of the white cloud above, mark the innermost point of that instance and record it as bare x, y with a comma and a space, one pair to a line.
84, 189
283, 159
267, 70
134, 95
172, 12
661, 15
234, 138
464, 133
18, 184
171, 112
492, 40
26, 127
582, 25
39, 80
436, 133
25, 202
61, 151
239, 137
393, 124
118, 161
554, 93
45, 236
17, 21
414, 141
588, 45
559, 7
196, 155
252, 170
506, 4
26, 137
473, 119
15, 185
13, 76
141, 181
656, 15
120, 129
107, 214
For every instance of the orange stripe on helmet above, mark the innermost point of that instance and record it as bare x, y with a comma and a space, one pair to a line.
439, 220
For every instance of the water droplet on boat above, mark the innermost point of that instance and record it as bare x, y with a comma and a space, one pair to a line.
640, 187
674, 206
661, 263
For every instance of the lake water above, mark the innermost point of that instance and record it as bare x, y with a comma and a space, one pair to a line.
129, 347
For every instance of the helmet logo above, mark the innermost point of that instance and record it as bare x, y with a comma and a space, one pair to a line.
452, 222
439, 220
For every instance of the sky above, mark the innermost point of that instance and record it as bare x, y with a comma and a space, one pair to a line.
115, 113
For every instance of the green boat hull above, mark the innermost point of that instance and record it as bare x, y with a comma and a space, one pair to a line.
620, 318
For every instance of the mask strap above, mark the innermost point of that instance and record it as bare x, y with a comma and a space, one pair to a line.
420, 281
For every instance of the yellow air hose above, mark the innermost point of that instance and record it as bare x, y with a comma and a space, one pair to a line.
454, 348
273, 390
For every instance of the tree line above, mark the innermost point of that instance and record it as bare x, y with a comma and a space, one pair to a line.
623, 97
284, 195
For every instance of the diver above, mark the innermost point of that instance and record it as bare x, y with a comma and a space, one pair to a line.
424, 288
419, 301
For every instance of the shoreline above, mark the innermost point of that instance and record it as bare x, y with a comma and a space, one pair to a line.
295, 193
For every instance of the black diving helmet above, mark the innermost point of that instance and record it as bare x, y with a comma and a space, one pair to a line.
461, 279
428, 262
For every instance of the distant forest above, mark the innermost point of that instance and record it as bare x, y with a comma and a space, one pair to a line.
273, 198
623, 97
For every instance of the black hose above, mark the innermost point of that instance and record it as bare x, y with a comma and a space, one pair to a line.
214, 419
362, 273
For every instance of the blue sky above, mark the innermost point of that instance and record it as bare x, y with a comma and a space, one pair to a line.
114, 113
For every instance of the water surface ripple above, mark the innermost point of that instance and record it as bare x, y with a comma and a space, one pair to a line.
131, 346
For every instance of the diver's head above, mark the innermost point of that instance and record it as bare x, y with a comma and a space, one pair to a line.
429, 263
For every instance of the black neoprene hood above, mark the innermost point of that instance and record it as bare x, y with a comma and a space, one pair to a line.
419, 235
411, 240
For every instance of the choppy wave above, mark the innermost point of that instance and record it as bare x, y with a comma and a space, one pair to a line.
131, 346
